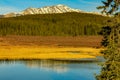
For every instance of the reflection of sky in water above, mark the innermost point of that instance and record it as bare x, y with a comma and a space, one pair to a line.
48, 70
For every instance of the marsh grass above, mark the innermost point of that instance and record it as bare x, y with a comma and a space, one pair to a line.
42, 52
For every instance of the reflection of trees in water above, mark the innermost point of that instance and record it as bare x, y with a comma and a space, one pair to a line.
59, 66
48, 65
8, 62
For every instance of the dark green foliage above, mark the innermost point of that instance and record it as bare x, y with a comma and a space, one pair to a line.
110, 6
111, 34
111, 68
67, 24
105, 31
110, 71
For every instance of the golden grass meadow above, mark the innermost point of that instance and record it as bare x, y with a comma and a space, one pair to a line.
20, 47
43, 52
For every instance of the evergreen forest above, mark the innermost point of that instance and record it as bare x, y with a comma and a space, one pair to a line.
66, 24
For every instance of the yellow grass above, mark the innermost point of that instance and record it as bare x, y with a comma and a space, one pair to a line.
41, 52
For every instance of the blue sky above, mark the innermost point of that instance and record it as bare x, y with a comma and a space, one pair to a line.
19, 5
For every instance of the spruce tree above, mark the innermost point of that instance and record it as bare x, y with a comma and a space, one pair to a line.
111, 34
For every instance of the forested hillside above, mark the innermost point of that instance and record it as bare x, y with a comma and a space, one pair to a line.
67, 24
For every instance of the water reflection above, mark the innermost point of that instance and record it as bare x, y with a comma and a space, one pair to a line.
70, 70
55, 65
48, 65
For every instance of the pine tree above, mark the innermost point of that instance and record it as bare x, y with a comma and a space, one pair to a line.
111, 34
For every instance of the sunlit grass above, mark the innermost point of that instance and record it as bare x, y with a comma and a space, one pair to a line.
37, 52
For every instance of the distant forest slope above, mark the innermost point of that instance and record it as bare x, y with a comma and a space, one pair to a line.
67, 24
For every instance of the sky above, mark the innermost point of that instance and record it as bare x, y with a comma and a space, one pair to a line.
7, 6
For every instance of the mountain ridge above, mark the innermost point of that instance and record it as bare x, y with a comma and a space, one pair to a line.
60, 8
49, 10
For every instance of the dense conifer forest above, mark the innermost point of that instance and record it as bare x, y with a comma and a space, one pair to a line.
67, 24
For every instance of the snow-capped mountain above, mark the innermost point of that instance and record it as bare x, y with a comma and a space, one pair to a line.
44, 10
47, 10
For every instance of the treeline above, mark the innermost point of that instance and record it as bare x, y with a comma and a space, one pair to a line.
67, 24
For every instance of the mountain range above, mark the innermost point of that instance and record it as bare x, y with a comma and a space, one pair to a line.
47, 10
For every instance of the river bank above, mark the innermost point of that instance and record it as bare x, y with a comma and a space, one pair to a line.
50, 47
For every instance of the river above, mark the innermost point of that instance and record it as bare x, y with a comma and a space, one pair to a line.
48, 70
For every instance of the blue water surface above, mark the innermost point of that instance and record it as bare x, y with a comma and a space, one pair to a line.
48, 70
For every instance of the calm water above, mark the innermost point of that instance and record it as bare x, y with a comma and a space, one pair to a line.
47, 70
